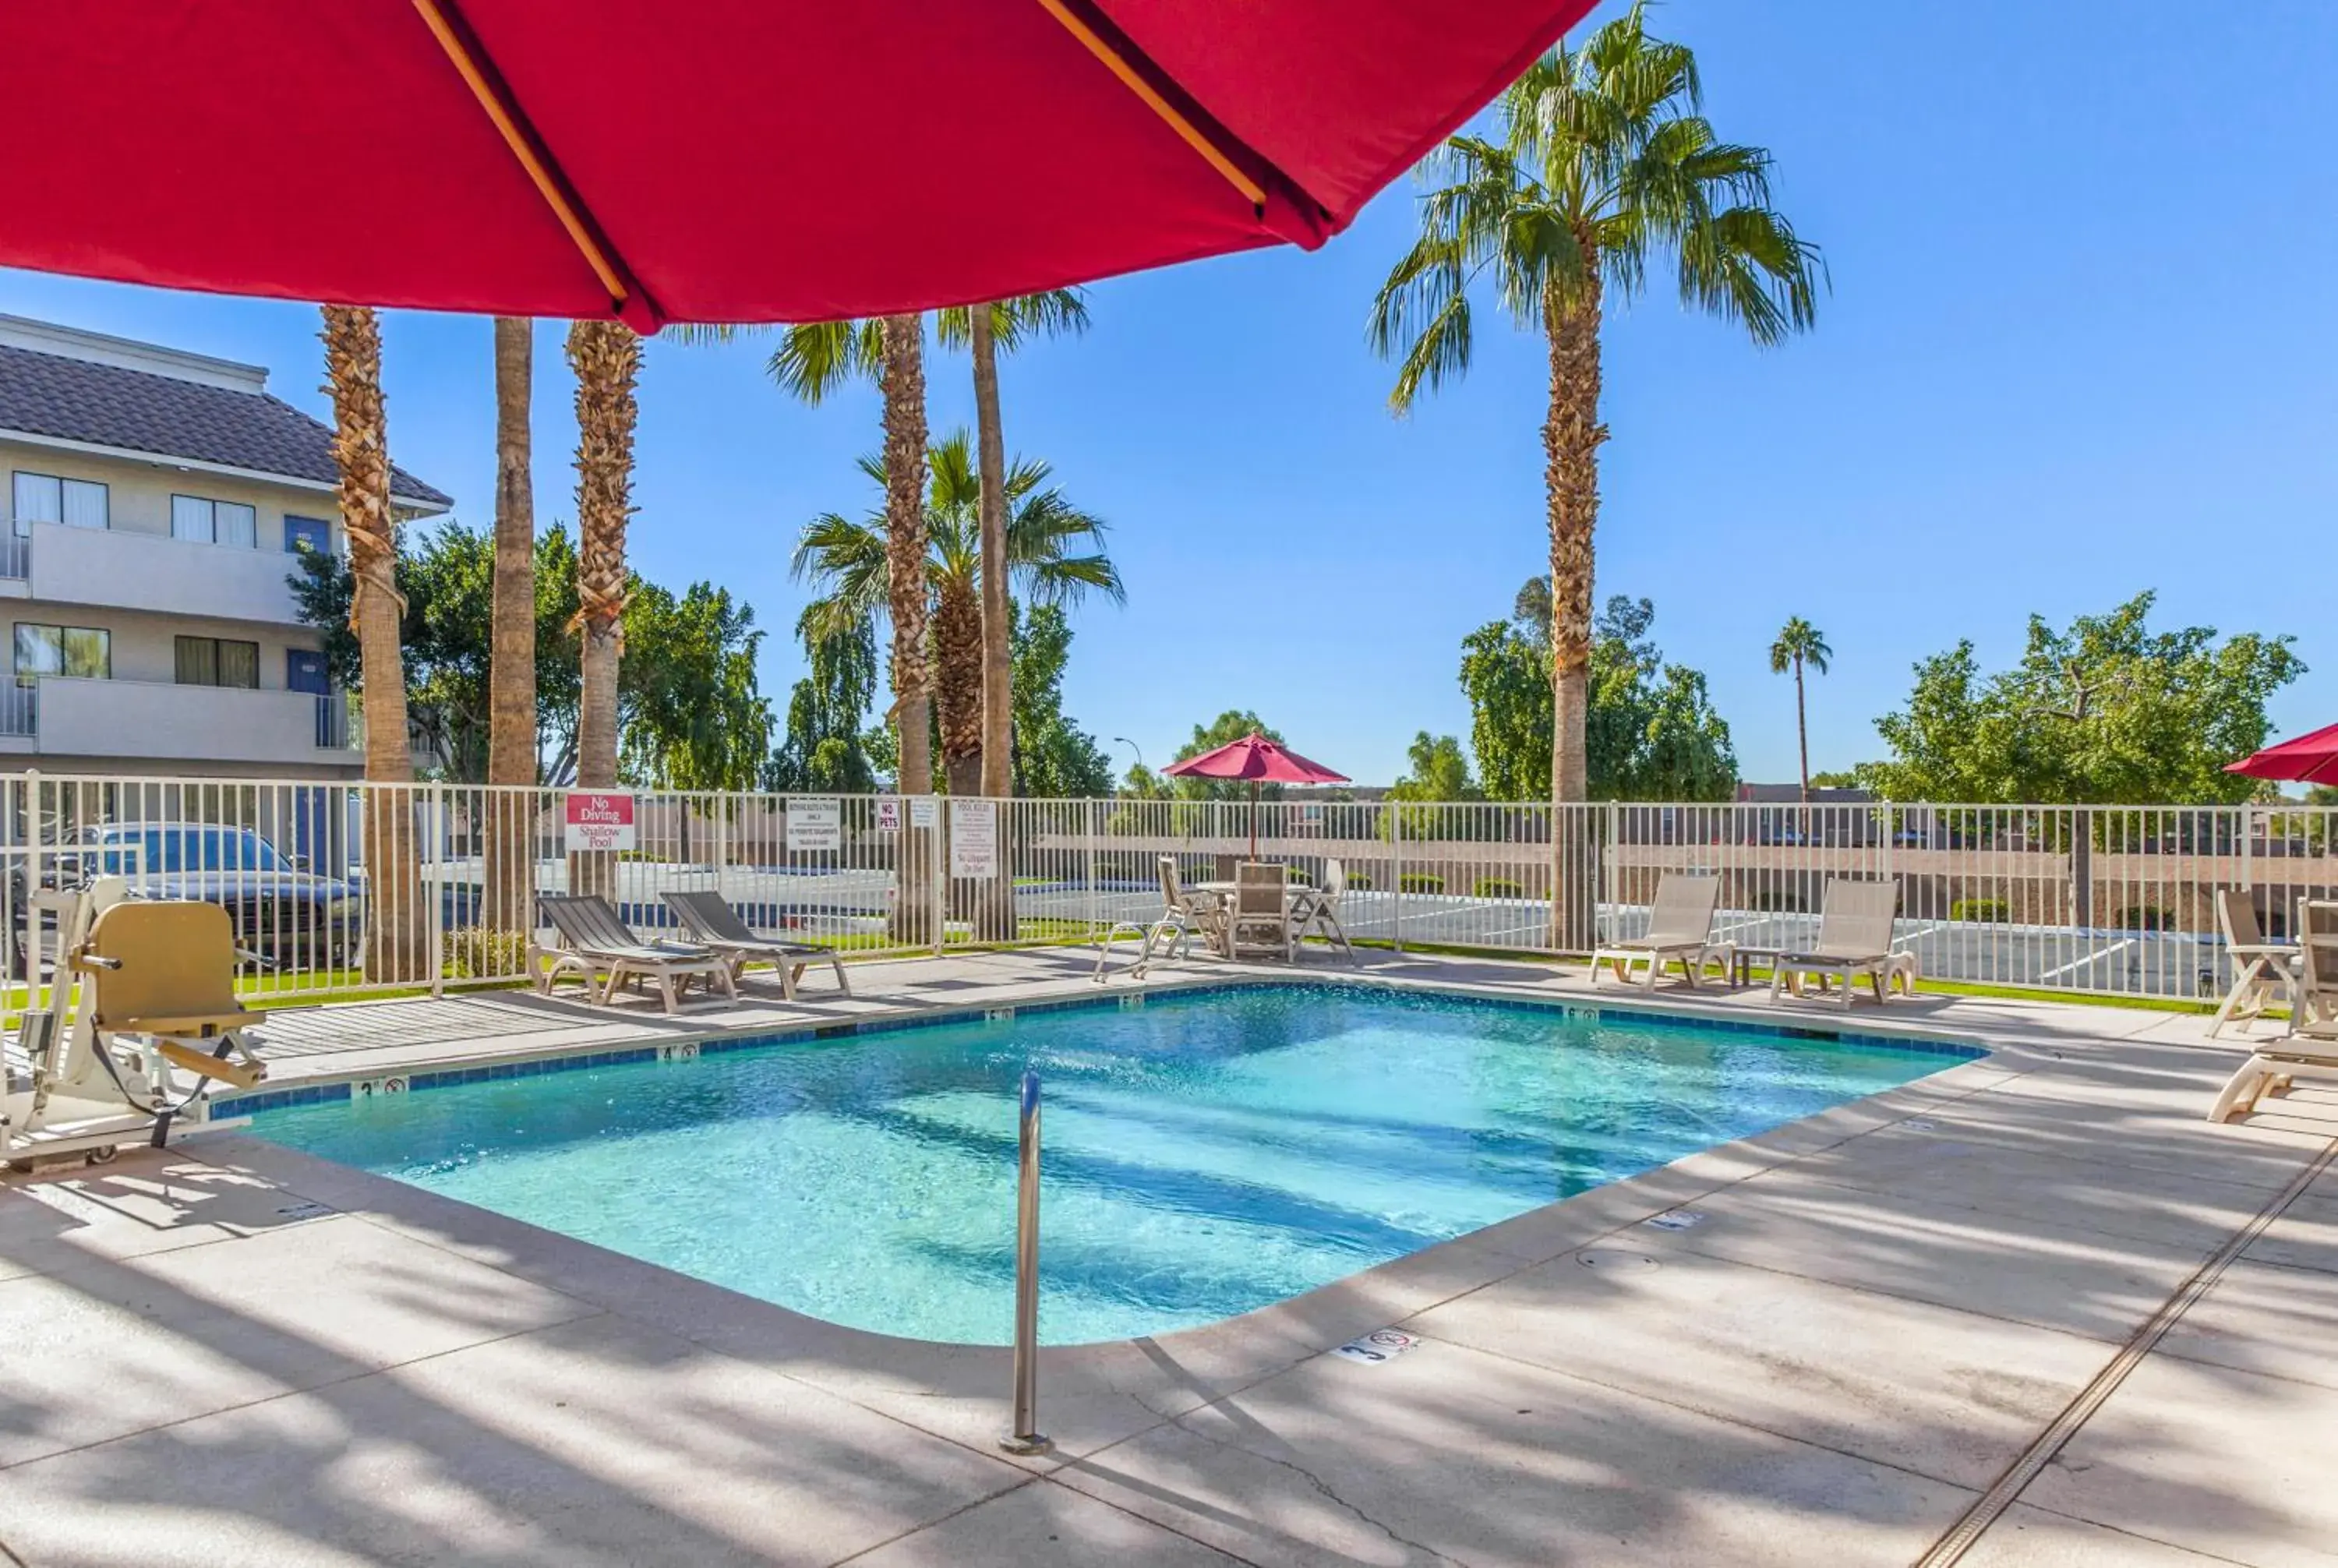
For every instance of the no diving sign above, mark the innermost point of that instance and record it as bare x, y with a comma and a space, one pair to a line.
1381, 1345
599, 821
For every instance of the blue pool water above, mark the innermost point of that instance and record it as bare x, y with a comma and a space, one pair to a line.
1205, 1154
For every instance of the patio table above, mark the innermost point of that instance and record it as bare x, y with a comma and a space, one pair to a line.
1294, 897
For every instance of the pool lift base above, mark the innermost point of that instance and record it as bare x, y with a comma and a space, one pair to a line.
1033, 1444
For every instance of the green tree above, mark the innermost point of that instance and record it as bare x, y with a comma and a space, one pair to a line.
1053, 757
1439, 771
1227, 727
2108, 711
1053, 557
694, 717
1651, 734
1799, 644
1600, 166
825, 751
689, 716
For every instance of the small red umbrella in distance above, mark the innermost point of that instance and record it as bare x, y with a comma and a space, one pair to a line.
716, 160
2308, 760
1260, 760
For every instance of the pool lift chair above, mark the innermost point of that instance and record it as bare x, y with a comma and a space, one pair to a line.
132, 1053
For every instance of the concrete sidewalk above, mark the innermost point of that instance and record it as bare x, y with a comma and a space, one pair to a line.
236, 1354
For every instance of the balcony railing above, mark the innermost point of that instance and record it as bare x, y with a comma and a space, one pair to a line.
15, 552
20, 708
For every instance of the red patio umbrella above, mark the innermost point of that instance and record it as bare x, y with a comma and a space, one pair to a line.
716, 160
1260, 760
2307, 760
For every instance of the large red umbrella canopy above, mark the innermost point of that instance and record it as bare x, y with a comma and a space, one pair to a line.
1260, 760
2307, 760
716, 160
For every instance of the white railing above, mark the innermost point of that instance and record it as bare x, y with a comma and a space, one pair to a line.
369, 887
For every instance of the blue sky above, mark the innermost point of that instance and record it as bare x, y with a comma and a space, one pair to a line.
2079, 343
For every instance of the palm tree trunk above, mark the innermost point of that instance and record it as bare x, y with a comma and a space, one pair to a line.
1571, 439
957, 671
997, 663
1801, 730
511, 674
904, 378
395, 924
606, 357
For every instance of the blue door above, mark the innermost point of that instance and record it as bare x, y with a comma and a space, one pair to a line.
304, 670
308, 532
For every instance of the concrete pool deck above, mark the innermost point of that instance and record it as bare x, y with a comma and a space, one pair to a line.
231, 1353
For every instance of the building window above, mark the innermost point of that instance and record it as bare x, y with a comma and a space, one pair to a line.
82, 652
218, 661
46, 498
213, 522
307, 533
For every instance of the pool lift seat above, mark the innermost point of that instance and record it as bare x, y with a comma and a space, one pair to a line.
102, 1063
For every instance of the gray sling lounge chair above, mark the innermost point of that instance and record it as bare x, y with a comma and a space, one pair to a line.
712, 923
602, 948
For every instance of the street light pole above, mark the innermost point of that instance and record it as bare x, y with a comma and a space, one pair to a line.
1124, 740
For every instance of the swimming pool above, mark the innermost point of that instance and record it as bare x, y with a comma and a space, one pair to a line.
1206, 1153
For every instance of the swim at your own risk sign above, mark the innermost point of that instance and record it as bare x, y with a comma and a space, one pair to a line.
597, 822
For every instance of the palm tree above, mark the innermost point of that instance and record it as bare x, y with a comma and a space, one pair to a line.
511, 664
813, 360
1601, 162
903, 376
396, 935
1799, 644
986, 329
606, 357
1053, 553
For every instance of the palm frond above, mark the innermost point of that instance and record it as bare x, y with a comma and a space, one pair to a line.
1747, 265
816, 359
1053, 313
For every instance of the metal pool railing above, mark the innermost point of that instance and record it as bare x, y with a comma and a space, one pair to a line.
343, 885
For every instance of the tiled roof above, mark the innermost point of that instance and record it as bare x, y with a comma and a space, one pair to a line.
71, 399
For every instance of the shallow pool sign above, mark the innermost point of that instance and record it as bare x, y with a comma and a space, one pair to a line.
598, 821
815, 824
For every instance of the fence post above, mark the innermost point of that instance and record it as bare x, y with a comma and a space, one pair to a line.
1609, 848
1094, 814
434, 923
1396, 872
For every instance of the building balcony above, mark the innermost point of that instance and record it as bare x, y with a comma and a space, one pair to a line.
118, 568
64, 717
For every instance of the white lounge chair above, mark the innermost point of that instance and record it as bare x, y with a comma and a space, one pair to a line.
713, 924
1855, 921
1680, 927
2310, 1048
1318, 909
2262, 970
1259, 920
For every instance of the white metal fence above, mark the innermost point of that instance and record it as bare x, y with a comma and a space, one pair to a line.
339, 886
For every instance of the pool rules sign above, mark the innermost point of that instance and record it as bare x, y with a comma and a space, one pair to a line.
974, 838
597, 822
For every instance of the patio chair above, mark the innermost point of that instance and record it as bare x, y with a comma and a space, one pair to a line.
711, 923
1262, 905
603, 949
2261, 969
2310, 1048
1185, 915
1318, 911
1680, 925
1855, 920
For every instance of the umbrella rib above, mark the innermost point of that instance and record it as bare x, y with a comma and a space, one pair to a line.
471, 63
1175, 119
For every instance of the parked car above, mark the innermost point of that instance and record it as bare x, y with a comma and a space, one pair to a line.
292, 916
